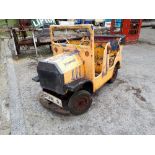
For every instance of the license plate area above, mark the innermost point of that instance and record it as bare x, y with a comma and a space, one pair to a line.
53, 99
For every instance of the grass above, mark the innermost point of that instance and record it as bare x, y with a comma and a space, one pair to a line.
4, 23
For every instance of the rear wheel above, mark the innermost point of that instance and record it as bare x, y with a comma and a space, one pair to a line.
115, 72
80, 102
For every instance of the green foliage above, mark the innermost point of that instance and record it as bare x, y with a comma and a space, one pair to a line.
4, 23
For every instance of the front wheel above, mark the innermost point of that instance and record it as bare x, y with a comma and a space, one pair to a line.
80, 102
114, 76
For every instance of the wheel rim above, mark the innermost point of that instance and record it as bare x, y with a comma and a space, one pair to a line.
81, 104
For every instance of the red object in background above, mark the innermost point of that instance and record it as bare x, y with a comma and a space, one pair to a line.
129, 27
24, 23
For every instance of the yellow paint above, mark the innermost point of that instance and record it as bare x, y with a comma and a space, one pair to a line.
94, 60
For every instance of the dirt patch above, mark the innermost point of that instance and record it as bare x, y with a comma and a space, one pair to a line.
33, 64
137, 93
120, 81
145, 42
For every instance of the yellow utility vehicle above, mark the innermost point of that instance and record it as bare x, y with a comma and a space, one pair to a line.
81, 63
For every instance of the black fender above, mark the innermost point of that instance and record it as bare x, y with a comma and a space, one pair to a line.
79, 85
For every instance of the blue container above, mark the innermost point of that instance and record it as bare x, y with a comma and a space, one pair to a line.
78, 21
118, 23
88, 21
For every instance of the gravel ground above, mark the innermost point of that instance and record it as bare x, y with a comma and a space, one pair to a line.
125, 107
147, 36
4, 97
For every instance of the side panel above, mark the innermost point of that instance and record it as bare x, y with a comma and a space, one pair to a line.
107, 72
74, 74
100, 80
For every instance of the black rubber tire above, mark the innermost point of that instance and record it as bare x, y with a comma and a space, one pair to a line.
80, 102
114, 76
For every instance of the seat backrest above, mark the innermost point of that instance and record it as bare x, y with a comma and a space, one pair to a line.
98, 53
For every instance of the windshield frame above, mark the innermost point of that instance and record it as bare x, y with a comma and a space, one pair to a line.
88, 27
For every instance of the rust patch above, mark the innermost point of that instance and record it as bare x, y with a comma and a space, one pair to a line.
86, 53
